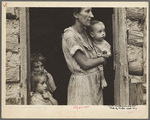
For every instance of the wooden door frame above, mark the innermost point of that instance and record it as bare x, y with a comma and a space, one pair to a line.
121, 82
25, 55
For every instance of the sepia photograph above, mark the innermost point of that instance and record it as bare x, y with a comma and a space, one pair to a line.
70, 59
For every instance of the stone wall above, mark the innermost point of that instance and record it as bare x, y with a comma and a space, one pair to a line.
12, 56
135, 20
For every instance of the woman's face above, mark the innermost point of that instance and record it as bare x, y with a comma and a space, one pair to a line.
84, 16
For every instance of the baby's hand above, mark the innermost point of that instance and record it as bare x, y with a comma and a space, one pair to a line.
104, 83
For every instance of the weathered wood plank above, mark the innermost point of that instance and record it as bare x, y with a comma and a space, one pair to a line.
23, 52
28, 57
121, 88
136, 94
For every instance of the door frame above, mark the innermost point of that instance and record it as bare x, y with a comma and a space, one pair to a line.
121, 82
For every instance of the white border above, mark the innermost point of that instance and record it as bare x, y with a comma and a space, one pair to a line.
26, 111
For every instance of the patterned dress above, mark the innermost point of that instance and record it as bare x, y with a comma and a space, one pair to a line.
84, 86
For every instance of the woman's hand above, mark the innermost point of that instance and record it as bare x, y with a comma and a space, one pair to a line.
87, 63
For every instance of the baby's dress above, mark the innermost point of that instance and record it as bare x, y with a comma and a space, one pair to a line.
84, 86
100, 48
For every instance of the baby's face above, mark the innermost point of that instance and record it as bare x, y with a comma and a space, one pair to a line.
98, 32
38, 67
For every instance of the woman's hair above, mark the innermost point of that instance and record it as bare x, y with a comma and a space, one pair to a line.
73, 11
36, 57
35, 79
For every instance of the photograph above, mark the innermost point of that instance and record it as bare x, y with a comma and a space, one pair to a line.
80, 57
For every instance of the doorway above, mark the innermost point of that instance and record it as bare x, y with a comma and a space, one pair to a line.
46, 28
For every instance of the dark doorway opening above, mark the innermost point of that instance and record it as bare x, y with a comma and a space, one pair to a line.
46, 28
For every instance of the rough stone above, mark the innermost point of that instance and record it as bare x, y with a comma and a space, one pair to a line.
14, 47
10, 10
134, 25
135, 79
135, 54
12, 74
12, 27
12, 90
135, 13
17, 13
135, 68
12, 38
135, 38
12, 59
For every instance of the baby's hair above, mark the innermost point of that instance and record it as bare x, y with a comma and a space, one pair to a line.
36, 57
93, 22
35, 79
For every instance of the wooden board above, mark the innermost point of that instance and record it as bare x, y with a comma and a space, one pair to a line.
121, 83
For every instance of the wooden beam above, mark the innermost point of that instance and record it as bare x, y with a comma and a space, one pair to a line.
121, 83
23, 53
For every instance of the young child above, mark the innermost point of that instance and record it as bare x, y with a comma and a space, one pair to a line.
37, 67
41, 96
102, 47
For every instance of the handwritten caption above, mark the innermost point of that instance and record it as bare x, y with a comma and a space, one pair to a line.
80, 107
123, 107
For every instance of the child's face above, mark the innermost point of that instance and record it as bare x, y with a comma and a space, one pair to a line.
98, 32
38, 67
41, 86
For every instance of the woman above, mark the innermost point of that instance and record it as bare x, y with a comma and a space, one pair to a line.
84, 85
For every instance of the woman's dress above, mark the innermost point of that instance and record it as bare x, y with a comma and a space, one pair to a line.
84, 86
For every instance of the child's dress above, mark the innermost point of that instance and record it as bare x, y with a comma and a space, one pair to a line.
84, 86
37, 99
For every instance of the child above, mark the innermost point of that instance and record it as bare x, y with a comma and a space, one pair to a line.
37, 66
102, 47
41, 96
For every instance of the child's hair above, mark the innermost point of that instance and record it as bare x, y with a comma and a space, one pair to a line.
36, 57
35, 79
90, 28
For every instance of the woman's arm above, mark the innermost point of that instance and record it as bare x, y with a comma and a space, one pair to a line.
87, 63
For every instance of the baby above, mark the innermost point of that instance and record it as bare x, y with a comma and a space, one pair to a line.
102, 47
41, 96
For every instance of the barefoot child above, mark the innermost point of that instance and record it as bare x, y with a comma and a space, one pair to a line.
41, 96
102, 47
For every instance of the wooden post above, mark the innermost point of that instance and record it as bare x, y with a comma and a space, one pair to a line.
23, 53
28, 57
121, 83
